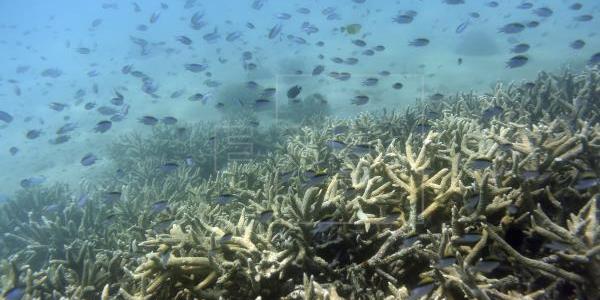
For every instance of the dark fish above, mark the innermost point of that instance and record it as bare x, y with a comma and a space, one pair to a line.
445, 262
359, 43
176, 94
520, 48
511, 28
577, 44
422, 128
576, 6
420, 42
436, 97
335, 145
32, 181
543, 12
371, 81
83, 50
595, 59
265, 217
162, 226
492, 4
196, 68
261, 104
453, 2
525, 5
61, 139
491, 112
67, 128
422, 290
586, 183
196, 21
51, 72
360, 100
250, 25
89, 105
154, 17
148, 120
57, 106
362, 149
343, 76
481, 163
283, 16
233, 36
168, 167
225, 199
316, 179
351, 61
468, 239
294, 91
274, 32
13, 151
460, 28
303, 10
517, 61
246, 55
184, 40
323, 226
106, 110
89, 159
159, 206
168, 120
6, 117
397, 86
557, 246
337, 60
33, 134
96, 22
15, 293
252, 85
103, 126
583, 18
268, 92
111, 197
258, 4
340, 129
533, 24
403, 19
486, 266
212, 36
118, 99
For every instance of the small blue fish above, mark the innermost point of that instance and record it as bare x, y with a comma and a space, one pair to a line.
520, 48
15, 293
577, 44
462, 27
32, 181
586, 183
88, 160
517, 61
159, 206
169, 167
224, 199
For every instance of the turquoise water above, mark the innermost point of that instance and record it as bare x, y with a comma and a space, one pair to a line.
38, 35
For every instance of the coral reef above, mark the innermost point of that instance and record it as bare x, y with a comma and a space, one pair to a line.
487, 197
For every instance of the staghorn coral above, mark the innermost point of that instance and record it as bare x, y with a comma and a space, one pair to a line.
479, 197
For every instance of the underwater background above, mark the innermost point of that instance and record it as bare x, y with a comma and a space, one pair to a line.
349, 149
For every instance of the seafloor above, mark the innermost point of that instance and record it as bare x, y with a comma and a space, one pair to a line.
492, 196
